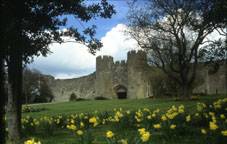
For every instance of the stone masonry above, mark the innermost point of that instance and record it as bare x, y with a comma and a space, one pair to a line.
126, 79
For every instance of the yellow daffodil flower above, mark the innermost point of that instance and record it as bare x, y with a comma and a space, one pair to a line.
188, 118
109, 134
213, 126
142, 131
79, 132
157, 126
123, 141
173, 126
224, 132
145, 136
203, 131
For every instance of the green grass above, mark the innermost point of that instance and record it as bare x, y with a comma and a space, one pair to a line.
66, 108
62, 136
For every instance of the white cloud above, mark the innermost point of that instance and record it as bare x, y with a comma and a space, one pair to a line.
116, 43
72, 59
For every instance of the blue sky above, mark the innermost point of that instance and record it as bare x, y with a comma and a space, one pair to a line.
71, 60
104, 25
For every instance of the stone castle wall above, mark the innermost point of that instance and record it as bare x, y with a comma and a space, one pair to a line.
104, 77
131, 77
137, 78
120, 73
82, 87
212, 83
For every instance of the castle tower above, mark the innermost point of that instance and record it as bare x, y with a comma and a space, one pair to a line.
103, 83
137, 81
120, 79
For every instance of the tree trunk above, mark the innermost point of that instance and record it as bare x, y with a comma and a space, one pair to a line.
185, 91
14, 96
2, 99
185, 84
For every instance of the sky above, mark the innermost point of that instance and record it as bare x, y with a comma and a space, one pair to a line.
71, 60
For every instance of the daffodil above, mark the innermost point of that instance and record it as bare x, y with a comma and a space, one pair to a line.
188, 118
149, 117
79, 132
145, 136
123, 141
222, 116
181, 109
196, 114
72, 121
109, 134
203, 131
224, 132
173, 126
211, 113
57, 121
71, 127
94, 121
81, 124
163, 118
213, 126
32, 141
29, 142
200, 106
157, 126
142, 131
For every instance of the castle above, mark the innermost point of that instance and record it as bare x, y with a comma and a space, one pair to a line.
126, 79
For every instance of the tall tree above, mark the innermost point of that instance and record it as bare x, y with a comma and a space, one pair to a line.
3, 93
28, 27
35, 87
173, 31
2, 98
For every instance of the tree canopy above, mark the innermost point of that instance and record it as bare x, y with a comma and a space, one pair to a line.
173, 33
27, 29
37, 23
35, 87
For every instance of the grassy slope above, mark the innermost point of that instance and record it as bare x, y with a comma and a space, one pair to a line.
108, 105
65, 137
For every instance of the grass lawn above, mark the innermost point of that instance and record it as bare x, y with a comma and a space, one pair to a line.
64, 136
53, 109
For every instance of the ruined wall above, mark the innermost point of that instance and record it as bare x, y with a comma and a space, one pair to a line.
120, 73
137, 78
104, 77
133, 75
212, 83
83, 87
217, 82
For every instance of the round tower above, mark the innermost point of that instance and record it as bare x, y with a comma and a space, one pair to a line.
137, 80
103, 83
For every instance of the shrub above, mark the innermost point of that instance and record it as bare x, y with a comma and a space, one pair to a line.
80, 99
101, 98
73, 97
26, 109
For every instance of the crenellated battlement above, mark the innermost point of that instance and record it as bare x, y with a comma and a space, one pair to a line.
132, 52
137, 58
104, 58
138, 53
135, 75
120, 63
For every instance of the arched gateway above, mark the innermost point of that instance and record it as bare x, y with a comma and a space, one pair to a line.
121, 91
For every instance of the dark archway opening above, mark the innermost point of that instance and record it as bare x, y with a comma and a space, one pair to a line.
122, 95
121, 92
